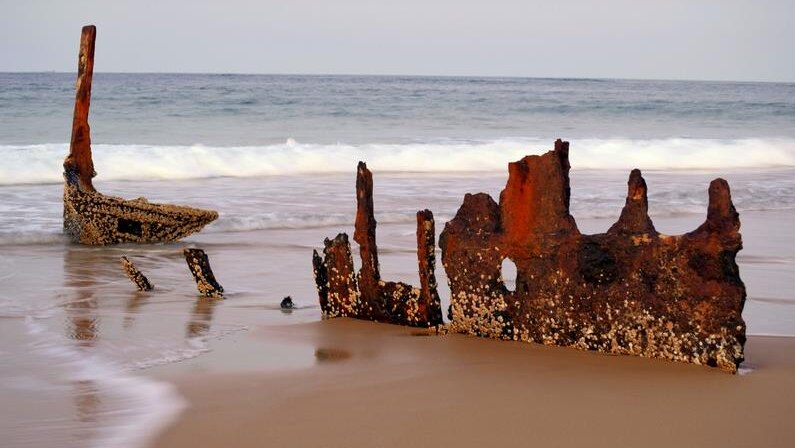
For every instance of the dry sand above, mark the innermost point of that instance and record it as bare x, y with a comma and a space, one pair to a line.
377, 385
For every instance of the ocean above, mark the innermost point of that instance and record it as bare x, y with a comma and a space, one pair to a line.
86, 359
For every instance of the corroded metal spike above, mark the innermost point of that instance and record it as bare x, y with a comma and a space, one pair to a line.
429, 303
364, 235
635, 214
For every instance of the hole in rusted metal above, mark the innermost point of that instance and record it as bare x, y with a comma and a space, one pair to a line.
508, 270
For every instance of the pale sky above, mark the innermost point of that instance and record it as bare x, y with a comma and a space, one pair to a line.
671, 39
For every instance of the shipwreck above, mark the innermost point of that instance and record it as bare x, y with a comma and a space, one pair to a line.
94, 218
631, 290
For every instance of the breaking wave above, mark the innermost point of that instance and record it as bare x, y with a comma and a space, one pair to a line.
33, 164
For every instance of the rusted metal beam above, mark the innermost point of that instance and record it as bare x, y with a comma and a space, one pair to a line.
79, 165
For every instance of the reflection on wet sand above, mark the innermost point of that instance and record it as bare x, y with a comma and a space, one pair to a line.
82, 326
99, 358
199, 324
135, 301
82, 321
331, 354
87, 400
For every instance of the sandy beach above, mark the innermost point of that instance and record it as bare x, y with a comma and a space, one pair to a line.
382, 385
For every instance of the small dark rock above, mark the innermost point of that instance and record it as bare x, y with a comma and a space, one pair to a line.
287, 303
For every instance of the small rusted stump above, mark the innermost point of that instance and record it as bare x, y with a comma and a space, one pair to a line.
199, 266
335, 279
140, 280
629, 291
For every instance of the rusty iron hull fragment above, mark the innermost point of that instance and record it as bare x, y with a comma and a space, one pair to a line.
343, 293
96, 219
628, 291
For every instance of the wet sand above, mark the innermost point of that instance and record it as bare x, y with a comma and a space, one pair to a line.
381, 385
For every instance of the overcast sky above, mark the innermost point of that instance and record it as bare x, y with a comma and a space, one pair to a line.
689, 39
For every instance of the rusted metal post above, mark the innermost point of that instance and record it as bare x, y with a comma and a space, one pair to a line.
135, 275
429, 303
199, 266
364, 235
78, 166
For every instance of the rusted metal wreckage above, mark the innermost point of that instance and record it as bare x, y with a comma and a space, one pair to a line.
630, 290
96, 219
343, 293
199, 266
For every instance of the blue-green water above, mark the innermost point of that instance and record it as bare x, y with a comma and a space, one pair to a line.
252, 110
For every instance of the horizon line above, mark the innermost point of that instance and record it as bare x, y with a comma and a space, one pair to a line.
387, 75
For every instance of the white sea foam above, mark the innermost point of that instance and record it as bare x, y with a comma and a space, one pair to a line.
31, 237
41, 163
196, 346
163, 405
149, 405
14, 308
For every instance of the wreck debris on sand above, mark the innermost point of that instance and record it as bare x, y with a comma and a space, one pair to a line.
96, 219
199, 265
630, 291
366, 296
136, 276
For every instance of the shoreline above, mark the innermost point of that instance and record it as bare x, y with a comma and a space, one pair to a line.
384, 385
